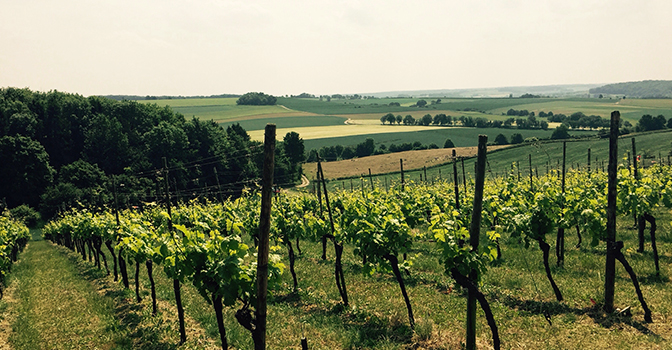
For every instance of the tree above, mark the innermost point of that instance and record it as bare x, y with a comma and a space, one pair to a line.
365, 148
648, 122
391, 118
448, 144
501, 140
421, 103
426, 120
22, 124
25, 172
409, 120
106, 144
294, 148
543, 125
516, 138
399, 119
560, 133
256, 99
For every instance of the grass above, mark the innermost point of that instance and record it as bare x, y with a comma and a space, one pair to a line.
223, 109
461, 137
57, 301
56, 307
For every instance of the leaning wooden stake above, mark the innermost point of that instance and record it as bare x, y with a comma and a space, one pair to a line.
474, 235
338, 246
259, 333
401, 165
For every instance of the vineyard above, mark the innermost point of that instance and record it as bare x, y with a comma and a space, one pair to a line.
404, 266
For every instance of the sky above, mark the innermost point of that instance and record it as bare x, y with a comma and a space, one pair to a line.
208, 47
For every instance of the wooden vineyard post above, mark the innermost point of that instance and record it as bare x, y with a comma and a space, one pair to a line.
474, 235
219, 186
529, 159
371, 179
614, 247
456, 183
176, 282
259, 334
634, 159
635, 172
319, 191
464, 177
424, 168
589, 162
560, 241
401, 165
610, 268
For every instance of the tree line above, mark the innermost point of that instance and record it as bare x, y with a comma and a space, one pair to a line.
61, 150
441, 119
365, 149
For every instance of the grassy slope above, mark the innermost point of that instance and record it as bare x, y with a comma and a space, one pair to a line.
499, 162
461, 137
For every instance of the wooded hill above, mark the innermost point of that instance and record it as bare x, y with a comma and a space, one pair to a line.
638, 89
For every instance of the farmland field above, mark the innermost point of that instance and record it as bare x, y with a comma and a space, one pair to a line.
322, 123
499, 161
307, 122
461, 137
224, 109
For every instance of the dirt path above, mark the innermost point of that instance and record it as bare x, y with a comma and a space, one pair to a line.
304, 182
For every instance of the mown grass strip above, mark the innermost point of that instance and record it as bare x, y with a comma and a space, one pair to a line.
56, 308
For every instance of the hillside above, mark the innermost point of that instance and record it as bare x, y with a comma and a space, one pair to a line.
389, 163
638, 89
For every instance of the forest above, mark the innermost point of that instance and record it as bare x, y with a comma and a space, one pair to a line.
60, 150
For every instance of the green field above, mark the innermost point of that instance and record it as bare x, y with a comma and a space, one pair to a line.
382, 105
221, 109
461, 137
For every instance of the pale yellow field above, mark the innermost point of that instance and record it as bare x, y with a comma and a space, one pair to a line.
319, 132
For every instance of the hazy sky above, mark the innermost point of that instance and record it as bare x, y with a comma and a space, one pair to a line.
282, 47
